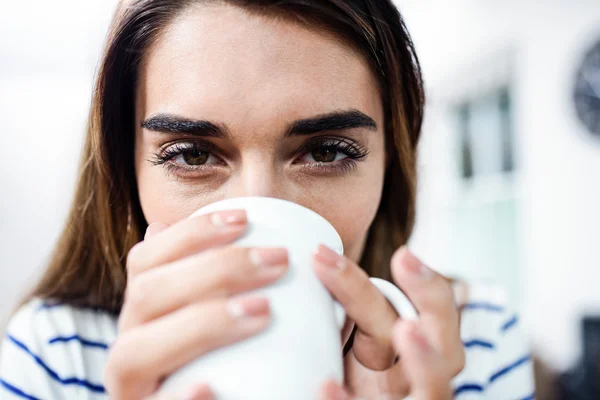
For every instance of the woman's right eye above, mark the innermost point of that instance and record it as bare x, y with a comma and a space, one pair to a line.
187, 156
194, 157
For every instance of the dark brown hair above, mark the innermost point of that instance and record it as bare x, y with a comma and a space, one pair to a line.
87, 267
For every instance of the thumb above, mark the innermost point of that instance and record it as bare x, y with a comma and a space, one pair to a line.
333, 391
421, 364
198, 392
154, 229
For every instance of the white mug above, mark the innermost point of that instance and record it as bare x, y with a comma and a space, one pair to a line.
302, 348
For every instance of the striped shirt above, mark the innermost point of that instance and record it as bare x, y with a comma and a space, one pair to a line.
56, 352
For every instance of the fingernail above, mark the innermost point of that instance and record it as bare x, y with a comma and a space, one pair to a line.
415, 266
269, 257
153, 229
419, 337
248, 307
223, 219
199, 392
330, 258
340, 394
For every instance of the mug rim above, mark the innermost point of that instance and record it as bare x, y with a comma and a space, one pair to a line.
253, 199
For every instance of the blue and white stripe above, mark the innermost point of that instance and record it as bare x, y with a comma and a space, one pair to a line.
52, 351
55, 352
498, 360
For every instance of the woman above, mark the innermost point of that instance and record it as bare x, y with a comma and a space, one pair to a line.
319, 102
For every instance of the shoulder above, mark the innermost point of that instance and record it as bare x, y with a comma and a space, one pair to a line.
55, 351
498, 358
42, 317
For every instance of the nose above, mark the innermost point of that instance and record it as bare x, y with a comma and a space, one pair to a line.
258, 176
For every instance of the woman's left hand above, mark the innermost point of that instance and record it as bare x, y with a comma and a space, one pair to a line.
430, 349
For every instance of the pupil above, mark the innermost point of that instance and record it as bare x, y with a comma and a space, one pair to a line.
195, 157
325, 155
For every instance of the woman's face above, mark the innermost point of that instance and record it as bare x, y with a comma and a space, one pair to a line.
234, 104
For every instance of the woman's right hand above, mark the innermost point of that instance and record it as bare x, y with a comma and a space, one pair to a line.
183, 299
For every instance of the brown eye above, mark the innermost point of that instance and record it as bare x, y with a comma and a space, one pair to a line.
195, 157
324, 155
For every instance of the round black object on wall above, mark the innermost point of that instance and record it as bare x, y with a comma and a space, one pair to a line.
587, 91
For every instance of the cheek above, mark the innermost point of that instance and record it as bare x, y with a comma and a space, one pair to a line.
350, 205
352, 219
168, 201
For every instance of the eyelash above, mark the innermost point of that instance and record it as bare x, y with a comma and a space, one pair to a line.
164, 156
353, 151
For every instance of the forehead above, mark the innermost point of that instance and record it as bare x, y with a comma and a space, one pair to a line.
225, 62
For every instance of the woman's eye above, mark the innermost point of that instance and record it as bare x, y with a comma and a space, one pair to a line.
195, 157
326, 155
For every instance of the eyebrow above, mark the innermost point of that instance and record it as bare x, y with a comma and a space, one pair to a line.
166, 123
334, 121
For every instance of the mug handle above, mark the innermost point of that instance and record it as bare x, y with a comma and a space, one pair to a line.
395, 296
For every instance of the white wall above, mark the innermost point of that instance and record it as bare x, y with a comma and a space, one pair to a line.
48, 53
561, 211
558, 184
41, 140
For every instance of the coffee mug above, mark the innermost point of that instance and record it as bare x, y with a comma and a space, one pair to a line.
301, 349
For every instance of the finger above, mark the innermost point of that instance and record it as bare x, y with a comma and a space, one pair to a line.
430, 292
431, 295
333, 391
214, 273
347, 330
177, 339
154, 229
185, 238
363, 303
423, 367
198, 392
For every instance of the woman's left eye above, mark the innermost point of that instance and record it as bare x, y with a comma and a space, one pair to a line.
325, 154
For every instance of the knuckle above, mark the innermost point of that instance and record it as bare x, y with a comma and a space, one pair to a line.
133, 258
452, 350
231, 258
214, 286
458, 361
189, 237
214, 313
445, 293
203, 221
225, 284
137, 293
119, 369
231, 267
240, 255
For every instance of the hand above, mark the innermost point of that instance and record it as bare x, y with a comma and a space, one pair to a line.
430, 349
199, 392
180, 275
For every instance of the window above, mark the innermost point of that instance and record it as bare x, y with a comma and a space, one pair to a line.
486, 135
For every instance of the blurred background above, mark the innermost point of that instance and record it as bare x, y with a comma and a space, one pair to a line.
509, 161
